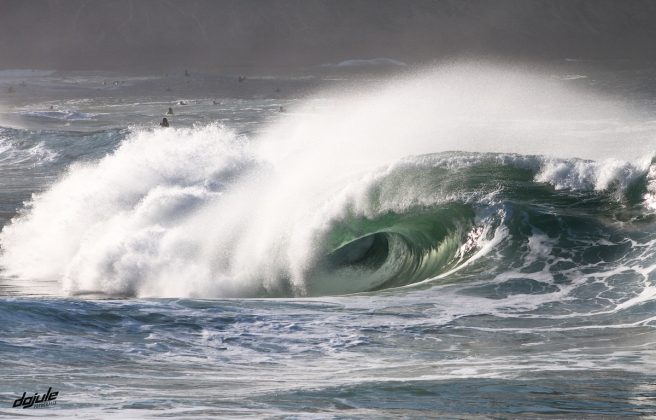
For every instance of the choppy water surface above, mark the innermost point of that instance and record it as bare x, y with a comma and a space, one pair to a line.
468, 241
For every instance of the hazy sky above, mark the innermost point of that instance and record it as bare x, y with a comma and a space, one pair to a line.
86, 34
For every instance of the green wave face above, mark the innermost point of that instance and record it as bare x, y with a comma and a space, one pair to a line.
439, 197
391, 250
472, 196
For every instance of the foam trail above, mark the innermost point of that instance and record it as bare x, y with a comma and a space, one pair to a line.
199, 212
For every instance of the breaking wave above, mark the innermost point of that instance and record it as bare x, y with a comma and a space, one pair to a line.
337, 202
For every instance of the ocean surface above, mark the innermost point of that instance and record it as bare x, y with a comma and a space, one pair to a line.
471, 240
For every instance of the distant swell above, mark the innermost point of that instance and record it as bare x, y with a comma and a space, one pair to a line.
60, 115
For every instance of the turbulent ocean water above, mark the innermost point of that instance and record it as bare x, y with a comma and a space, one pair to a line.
466, 241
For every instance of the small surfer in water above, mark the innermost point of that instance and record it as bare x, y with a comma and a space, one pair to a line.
170, 111
164, 123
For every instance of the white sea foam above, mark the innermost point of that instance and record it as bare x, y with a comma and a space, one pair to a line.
102, 226
581, 175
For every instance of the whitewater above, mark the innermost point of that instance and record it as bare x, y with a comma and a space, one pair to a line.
470, 239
